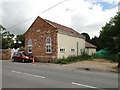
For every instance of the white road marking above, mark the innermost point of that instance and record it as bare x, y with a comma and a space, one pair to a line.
28, 74
83, 85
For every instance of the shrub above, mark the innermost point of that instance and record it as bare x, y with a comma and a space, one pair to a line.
112, 58
71, 59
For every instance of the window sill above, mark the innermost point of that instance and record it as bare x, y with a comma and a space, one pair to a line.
49, 53
62, 52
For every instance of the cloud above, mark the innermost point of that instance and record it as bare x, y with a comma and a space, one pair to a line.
1, 12
108, 1
81, 15
91, 20
111, 1
13, 13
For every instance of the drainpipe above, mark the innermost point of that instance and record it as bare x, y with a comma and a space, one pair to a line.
77, 48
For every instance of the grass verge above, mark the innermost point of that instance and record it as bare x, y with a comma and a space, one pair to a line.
72, 59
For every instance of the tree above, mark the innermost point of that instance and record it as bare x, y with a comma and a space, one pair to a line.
87, 37
6, 38
1, 31
20, 38
110, 35
97, 42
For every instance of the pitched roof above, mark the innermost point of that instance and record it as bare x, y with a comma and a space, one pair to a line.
65, 30
61, 28
89, 45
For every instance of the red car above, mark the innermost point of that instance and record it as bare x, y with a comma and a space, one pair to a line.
22, 57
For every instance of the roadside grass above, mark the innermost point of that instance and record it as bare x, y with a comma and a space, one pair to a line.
74, 59
112, 58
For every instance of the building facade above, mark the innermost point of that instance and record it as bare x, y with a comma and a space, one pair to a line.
47, 40
90, 49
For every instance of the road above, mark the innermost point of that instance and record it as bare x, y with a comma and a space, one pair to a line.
42, 75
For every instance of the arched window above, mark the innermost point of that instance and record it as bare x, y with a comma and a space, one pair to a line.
48, 45
29, 46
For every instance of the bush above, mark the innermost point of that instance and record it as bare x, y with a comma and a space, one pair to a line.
71, 59
112, 58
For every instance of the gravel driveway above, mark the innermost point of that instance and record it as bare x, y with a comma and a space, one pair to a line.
96, 65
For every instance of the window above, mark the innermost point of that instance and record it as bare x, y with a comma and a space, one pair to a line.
29, 46
62, 50
29, 49
72, 50
48, 45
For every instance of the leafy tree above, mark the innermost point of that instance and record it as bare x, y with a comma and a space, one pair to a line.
20, 40
110, 35
6, 38
1, 30
97, 42
87, 37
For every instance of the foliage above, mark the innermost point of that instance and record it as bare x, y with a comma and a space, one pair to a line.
112, 58
110, 34
97, 42
87, 37
71, 59
21, 49
20, 38
6, 38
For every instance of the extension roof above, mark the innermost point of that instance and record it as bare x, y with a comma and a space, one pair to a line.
89, 45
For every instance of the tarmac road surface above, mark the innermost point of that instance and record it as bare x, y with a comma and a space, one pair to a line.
27, 75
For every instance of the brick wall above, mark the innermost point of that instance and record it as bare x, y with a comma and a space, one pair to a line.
0, 54
38, 32
5, 54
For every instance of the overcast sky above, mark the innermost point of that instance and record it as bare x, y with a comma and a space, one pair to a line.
81, 15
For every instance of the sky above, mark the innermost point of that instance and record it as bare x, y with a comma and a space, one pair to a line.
87, 16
